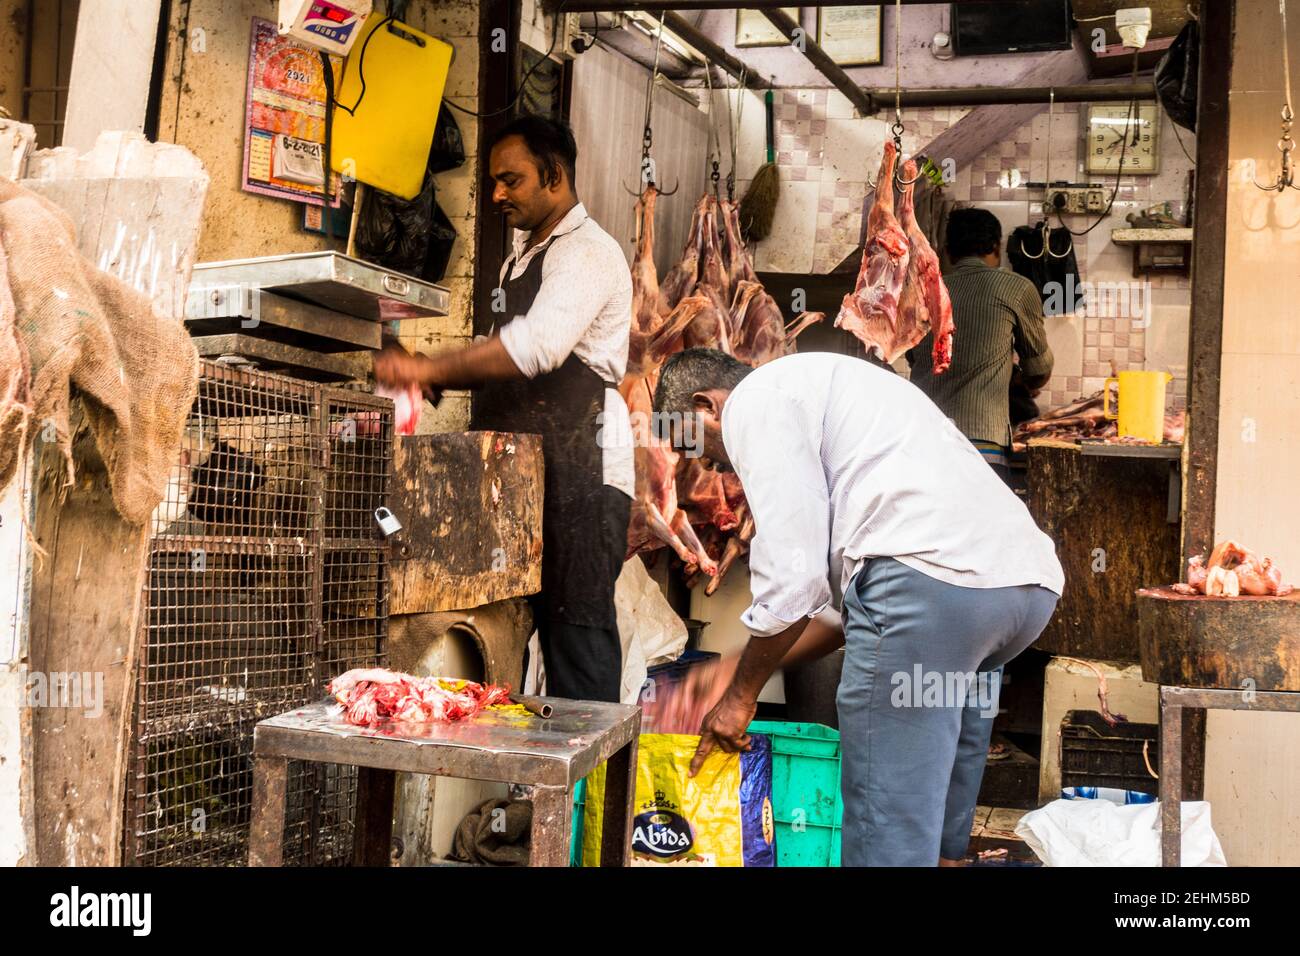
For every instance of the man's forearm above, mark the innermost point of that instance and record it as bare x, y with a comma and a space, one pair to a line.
761, 657
482, 362
818, 640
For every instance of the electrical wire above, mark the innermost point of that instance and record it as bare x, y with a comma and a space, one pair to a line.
361, 67
523, 84
1129, 121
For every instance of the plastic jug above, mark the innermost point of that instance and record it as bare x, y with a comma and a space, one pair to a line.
1141, 404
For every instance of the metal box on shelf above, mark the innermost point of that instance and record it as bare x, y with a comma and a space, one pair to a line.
329, 279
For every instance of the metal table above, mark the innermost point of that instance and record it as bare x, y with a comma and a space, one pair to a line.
1183, 709
550, 756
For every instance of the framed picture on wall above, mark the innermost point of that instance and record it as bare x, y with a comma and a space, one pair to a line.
850, 35
754, 29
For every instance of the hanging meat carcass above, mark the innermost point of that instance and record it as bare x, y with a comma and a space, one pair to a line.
870, 311
683, 276
923, 273
711, 298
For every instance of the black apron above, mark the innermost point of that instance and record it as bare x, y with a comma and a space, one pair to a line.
582, 541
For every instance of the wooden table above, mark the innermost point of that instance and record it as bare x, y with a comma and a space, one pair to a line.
548, 755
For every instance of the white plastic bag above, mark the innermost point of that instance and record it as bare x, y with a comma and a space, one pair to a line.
648, 627
1104, 833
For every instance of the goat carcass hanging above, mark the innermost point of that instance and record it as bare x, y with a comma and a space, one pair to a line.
871, 311
923, 273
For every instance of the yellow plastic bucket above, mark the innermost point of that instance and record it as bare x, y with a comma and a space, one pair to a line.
1141, 404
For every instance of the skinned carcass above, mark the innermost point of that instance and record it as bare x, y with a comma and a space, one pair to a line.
923, 274
871, 310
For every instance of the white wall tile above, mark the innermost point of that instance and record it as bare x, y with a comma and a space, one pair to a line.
789, 248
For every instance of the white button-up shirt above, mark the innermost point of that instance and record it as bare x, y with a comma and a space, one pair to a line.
842, 462
584, 307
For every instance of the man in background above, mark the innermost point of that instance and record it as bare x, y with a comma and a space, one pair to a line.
1000, 339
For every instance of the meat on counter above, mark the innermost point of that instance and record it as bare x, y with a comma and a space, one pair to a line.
1231, 570
373, 695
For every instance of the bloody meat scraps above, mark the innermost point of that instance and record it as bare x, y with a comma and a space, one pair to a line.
373, 695
1231, 570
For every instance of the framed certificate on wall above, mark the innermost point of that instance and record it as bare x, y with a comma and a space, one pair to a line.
850, 35
754, 29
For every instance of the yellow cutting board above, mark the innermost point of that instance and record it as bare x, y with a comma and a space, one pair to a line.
386, 143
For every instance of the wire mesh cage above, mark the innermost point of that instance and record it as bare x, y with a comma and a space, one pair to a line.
267, 577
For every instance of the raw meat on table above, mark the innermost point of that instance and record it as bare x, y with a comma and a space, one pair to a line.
371, 696
1231, 570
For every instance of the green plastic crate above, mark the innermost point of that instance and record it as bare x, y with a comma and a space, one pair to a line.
575, 842
805, 791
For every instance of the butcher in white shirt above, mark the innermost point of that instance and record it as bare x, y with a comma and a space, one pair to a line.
865, 496
552, 367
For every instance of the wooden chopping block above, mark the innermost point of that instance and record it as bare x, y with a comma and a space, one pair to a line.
1197, 641
470, 504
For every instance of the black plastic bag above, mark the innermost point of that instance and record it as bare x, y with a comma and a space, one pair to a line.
1176, 76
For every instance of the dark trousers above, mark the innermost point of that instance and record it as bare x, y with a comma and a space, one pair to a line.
585, 661
582, 663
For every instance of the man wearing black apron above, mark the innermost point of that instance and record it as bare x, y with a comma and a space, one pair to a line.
552, 369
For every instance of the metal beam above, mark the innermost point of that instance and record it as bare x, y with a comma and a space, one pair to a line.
654, 6
1010, 96
719, 57
818, 58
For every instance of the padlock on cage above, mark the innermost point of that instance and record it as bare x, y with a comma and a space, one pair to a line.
388, 522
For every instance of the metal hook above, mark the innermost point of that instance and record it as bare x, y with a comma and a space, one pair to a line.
897, 129
651, 183
1041, 252
1047, 244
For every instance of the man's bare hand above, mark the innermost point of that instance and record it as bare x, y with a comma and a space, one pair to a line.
398, 368
724, 728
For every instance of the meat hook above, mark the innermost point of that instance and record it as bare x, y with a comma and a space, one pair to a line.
1047, 245
1286, 178
1041, 252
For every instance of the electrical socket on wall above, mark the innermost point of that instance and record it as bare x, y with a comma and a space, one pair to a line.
1080, 201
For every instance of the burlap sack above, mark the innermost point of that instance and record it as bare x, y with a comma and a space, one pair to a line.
15, 382
135, 371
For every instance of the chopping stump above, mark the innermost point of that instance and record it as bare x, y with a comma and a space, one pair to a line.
1110, 518
1237, 643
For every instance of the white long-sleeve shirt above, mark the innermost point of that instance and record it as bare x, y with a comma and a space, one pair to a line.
842, 462
584, 307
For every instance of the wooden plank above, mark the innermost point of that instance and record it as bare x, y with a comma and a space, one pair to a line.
271, 316
1108, 518
1205, 337
111, 68
277, 356
470, 504
86, 603
1243, 643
